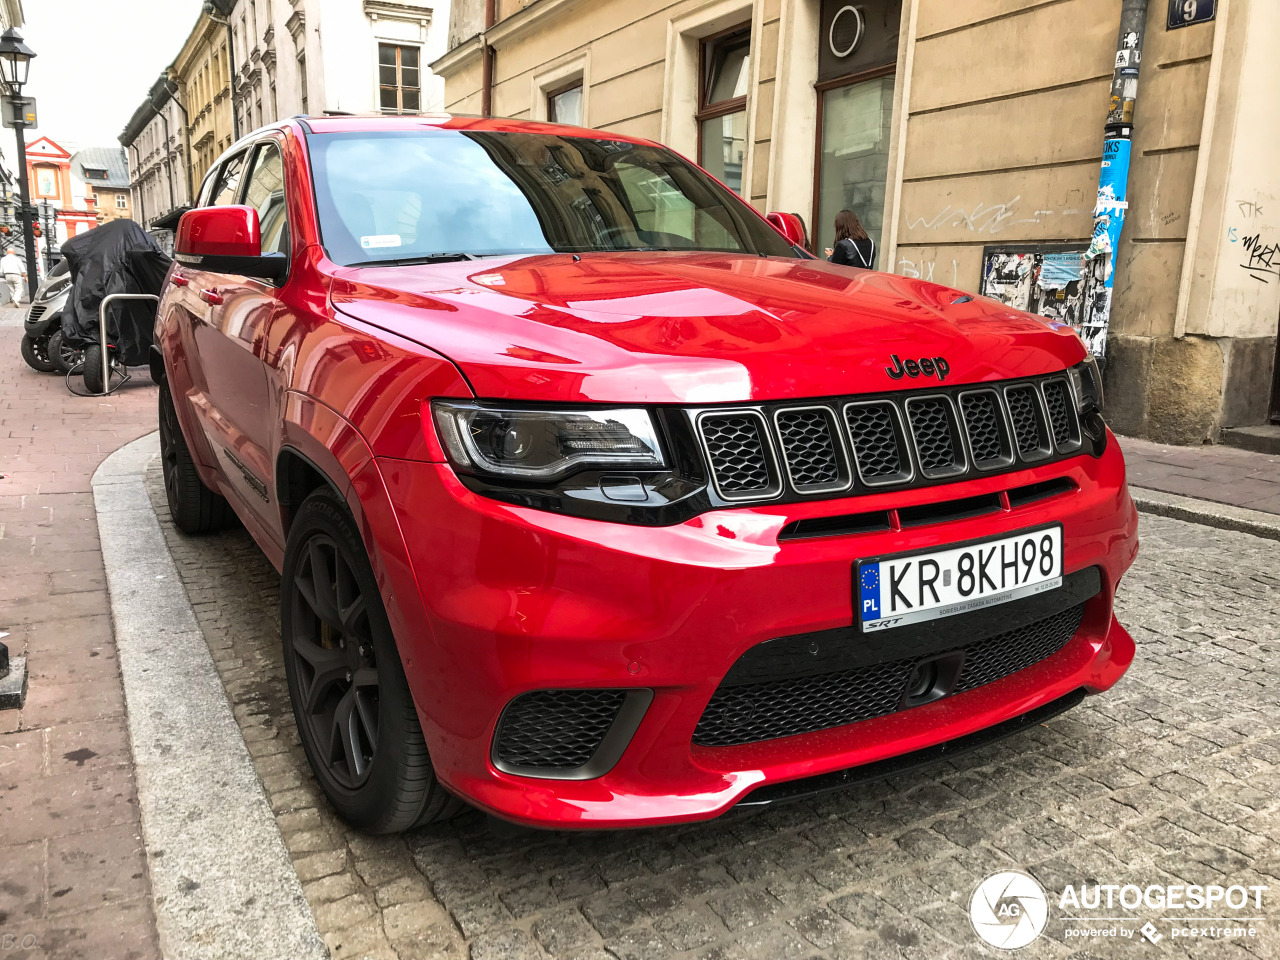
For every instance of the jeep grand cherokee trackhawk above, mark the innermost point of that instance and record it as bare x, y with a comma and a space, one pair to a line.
598, 502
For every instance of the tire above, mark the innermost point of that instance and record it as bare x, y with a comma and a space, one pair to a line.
36, 352
92, 372
344, 674
62, 356
194, 507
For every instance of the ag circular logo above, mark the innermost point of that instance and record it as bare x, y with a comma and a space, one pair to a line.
1009, 909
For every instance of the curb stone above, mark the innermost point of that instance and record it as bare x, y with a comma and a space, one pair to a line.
1207, 512
223, 882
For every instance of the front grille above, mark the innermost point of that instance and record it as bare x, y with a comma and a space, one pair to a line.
810, 448
982, 418
736, 444
1058, 401
873, 432
915, 438
1028, 427
751, 712
555, 729
937, 441
37, 311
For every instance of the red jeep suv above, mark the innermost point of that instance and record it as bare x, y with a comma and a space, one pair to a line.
598, 501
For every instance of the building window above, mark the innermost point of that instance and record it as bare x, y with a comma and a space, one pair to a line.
122, 202
302, 82
853, 156
564, 103
722, 100
399, 81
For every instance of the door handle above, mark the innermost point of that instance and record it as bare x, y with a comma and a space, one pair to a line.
178, 280
211, 296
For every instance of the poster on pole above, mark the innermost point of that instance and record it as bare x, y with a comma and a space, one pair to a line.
1048, 279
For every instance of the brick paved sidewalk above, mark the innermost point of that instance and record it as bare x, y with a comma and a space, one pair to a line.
72, 875
1241, 478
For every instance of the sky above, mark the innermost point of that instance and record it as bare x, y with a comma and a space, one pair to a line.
95, 61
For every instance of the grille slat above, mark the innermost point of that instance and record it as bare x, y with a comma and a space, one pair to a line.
1028, 425
937, 443
873, 431
982, 420
555, 729
752, 712
736, 445
1057, 400
810, 448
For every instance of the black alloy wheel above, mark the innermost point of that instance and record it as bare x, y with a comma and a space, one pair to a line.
62, 355
335, 661
193, 506
355, 713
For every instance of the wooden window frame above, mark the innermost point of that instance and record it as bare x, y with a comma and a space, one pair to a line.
875, 73
722, 108
575, 84
399, 84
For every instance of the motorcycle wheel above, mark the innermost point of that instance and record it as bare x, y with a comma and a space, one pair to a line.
36, 352
61, 355
93, 369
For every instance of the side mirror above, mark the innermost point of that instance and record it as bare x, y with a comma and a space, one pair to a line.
227, 240
790, 226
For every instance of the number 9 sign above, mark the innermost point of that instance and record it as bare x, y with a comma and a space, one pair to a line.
1183, 13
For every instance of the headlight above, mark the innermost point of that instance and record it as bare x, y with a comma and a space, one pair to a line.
1086, 381
545, 444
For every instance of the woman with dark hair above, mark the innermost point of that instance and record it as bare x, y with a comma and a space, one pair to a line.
853, 247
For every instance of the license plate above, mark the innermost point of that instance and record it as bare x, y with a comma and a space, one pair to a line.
914, 587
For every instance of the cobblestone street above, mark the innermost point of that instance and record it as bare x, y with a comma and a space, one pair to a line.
1172, 777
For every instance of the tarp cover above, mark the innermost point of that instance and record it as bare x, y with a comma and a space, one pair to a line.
117, 257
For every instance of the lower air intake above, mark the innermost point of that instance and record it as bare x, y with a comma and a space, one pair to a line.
751, 712
555, 729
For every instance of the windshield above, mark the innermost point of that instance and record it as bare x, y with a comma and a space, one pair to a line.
386, 197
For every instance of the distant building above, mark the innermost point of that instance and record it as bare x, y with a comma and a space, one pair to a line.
103, 175
155, 142
49, 174
202, 74
11, 14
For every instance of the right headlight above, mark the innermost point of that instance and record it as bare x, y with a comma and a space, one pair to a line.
542, 445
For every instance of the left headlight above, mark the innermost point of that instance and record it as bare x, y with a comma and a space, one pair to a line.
533, 444
1086, 380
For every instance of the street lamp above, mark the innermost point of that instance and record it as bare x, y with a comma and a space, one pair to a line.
15, 65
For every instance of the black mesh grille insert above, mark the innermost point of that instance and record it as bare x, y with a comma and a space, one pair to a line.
1055, 398
747, 713
875, 440
1025, 413
810, 448
737, 451
935, 441
982, 420
555, 729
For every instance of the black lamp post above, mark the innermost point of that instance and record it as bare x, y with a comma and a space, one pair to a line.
15, 65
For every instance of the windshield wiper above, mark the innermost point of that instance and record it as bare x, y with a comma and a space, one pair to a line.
425, 258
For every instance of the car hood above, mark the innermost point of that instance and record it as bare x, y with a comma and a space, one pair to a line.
693, 328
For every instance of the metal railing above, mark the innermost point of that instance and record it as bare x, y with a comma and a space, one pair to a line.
102, 336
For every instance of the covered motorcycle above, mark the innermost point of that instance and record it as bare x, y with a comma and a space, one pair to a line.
118, 257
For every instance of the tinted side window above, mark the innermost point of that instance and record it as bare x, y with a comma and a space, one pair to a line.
227, 191
265, 194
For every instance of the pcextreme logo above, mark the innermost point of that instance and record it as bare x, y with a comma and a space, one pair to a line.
1009, 909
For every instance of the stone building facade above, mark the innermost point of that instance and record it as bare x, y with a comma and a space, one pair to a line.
155, 143
201, 74
969, 138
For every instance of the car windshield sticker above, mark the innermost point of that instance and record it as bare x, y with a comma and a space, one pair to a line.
382, 240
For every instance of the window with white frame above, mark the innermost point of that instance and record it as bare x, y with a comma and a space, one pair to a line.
122, 201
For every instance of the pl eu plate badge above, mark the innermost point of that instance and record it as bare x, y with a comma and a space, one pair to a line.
871, 592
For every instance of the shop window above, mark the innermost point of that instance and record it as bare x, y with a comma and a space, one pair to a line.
725, 75
399, 78
853, 161
564, 104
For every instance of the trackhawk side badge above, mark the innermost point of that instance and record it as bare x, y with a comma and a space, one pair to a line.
928, 366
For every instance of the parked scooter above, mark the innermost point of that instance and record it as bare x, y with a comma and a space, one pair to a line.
43, 345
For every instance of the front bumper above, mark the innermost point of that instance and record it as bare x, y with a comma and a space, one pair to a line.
505, 600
